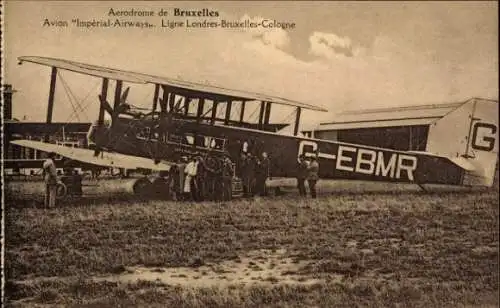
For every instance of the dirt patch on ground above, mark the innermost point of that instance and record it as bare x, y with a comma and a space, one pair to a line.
259, 267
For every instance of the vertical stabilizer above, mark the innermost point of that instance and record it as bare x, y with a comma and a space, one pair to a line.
468, 135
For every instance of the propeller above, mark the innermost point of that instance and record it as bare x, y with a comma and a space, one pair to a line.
124, 96
165, 122
102, 133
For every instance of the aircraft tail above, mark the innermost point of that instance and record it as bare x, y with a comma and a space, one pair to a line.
468, 136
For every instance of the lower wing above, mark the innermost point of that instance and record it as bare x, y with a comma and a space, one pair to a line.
105, 159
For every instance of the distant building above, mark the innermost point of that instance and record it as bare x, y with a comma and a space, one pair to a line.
17, 157
7, 101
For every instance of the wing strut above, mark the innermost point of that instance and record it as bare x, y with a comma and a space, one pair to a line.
242, 112
103, 98
214, 112
118, 94
52, 90
267, 115
261, 113
227, 116
164, 101
155, 97
297, 121
100, 120
199, 113
171, 102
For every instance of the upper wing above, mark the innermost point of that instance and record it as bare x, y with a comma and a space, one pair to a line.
233, 93
87, 69
106, 159
128, 76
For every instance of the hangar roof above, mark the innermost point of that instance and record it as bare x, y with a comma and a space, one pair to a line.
394, 116
375, 123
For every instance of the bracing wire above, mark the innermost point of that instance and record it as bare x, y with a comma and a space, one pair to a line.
252, 114
289, 116
85, 107
235, 111
75, 99
65, 87
220, 111
79, 104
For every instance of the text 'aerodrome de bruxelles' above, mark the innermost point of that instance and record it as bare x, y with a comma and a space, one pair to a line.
205, 23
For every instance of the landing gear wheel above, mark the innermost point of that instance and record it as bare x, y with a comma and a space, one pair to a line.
61, 191
142, 187
278, 191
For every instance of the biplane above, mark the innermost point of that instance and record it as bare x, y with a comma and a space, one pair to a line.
192, 119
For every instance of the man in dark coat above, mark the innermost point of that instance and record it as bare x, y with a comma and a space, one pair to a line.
200, 179
240, 171
312, 175
210, 179
213, 191
263, 172
249, 174
302, 174
227, 179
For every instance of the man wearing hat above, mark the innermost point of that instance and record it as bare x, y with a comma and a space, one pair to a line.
200, 178
262, 174
177, 173
50, 177
302, 174
227, 178
189, 181
249, 174
312, 175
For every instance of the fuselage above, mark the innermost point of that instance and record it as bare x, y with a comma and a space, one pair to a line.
146, 138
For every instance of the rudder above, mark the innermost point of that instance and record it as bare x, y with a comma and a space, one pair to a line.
469, 137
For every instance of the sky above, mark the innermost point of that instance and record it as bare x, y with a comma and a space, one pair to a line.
340, 55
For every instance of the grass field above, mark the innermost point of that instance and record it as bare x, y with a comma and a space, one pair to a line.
392, 246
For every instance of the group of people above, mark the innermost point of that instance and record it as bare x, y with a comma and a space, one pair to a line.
211, 178
254, 172
307, 170
201, 179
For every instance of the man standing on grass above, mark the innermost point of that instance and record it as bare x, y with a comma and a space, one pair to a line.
263, 172
189, 182
200, 179
312, 175
249, 174
179, 176
227, 179
241, 169
302, 174
218, 179
50, 177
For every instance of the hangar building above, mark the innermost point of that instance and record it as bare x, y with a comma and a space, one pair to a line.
401, 128
466, 132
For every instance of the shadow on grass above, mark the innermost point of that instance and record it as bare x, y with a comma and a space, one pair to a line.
37, 202
346, 193
103, 198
